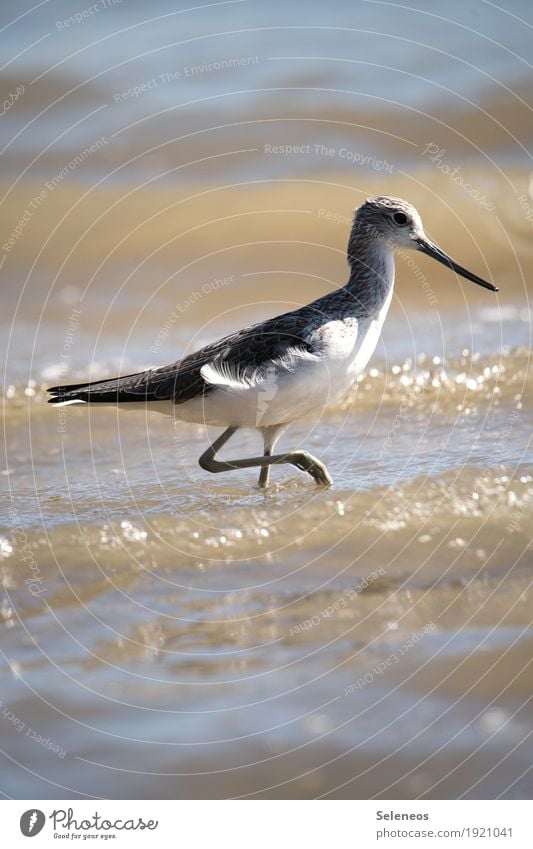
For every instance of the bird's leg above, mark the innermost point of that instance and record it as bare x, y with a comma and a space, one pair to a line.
301, 459
270, 434
264, 474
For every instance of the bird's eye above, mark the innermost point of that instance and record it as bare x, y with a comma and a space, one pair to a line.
399, 218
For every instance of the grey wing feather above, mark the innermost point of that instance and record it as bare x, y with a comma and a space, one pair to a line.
246, 352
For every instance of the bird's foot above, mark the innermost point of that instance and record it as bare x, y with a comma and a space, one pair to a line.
307, 463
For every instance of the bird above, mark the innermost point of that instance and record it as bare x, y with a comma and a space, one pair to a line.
290, 366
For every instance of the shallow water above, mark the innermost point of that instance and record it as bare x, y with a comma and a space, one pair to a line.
167, 633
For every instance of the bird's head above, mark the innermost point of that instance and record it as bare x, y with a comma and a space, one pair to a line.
390, 220
397, 224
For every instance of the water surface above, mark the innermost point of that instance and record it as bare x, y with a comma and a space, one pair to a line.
169, 175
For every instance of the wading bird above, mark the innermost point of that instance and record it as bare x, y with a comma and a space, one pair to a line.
287, 367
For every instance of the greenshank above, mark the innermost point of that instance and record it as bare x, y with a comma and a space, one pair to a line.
290, 366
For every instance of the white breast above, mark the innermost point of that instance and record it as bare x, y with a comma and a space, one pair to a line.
368, 338
312, 383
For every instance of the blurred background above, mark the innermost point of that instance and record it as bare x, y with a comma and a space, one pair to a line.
171, 172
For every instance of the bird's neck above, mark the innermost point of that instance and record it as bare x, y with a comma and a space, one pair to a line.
371, 271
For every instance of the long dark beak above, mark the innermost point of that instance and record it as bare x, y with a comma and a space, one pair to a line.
430, 249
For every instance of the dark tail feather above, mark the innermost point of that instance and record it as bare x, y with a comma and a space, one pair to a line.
130, 387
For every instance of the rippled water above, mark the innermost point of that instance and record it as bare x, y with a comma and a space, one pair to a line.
167, 633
